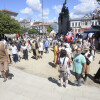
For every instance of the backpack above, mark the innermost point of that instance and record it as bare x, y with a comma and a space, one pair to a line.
62, 67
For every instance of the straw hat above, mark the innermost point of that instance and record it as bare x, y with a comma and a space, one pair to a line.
86, 48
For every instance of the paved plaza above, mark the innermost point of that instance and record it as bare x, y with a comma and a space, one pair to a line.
38, 80
24, 86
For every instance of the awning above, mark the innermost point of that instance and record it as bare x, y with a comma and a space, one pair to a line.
92, 30
10, 35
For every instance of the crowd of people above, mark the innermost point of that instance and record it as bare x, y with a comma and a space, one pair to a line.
78, 52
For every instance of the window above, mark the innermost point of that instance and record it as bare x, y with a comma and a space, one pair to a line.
86, 23
96, 23
76, 24
72, 24
79, 24
92, 23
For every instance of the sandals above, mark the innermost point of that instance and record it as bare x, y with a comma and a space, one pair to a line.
9, 78
5, 80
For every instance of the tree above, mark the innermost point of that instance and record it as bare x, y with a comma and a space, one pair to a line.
24, 30
8, 25
33, 31
49, 28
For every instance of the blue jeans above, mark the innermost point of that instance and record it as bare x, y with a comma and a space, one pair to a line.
46, 50
15, 57
78, 78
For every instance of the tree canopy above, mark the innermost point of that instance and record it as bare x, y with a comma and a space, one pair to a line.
8, 25
49, 28
33, 31
23, 30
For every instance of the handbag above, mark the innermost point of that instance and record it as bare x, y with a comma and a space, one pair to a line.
88, 61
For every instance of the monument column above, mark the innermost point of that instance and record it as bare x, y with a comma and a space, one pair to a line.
63, 20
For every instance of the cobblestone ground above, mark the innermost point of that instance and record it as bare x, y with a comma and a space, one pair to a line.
45, 68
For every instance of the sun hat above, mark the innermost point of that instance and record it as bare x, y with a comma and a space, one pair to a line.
86, 48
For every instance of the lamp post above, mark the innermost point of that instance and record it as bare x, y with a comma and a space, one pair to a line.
42, 19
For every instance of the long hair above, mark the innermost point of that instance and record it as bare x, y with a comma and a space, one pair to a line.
63, 53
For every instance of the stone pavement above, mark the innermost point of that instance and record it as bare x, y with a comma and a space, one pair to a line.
24, 86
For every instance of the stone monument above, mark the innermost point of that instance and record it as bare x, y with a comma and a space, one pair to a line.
63, 20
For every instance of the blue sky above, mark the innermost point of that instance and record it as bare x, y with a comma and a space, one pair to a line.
31, 9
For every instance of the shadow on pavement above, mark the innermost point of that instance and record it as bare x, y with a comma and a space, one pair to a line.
93, 79
33, 57
53, 80
11, 76
52, 64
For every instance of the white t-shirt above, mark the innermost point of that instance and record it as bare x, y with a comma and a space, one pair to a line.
68, 50
24, 47
14, 49
86, 54
61, 48
40, 46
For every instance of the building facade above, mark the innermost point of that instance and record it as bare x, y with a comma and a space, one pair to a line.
11, 13
81, 24
25, 23
42, 27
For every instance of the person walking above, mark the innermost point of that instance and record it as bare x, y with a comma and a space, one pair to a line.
33, 48
63, 68
25, 51
19, 49
46, 45
41, 48
87, 56
4, 60
14, 52
79, 65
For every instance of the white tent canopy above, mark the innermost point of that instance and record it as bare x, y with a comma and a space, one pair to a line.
52, 33
10, 35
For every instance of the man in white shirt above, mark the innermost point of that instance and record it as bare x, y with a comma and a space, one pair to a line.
14, 53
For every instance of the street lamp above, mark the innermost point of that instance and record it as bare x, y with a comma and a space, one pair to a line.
42, 19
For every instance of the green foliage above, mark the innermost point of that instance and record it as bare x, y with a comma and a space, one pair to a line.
49, 28
23, 30
33, 31
8, 25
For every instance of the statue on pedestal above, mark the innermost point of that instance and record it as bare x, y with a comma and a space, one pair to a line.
63, 21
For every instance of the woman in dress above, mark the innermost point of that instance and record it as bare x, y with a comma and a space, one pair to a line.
4, 60
56, 55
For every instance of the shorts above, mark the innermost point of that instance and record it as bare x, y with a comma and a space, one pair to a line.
4, 66
19, 53
63, 75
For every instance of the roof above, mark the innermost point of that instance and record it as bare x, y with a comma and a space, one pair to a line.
6, 10
45, 24
77, 19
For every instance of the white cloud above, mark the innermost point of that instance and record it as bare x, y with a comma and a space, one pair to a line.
34, 4
57, 9
27, 11
53, 20
85, 7
46, 12
20, 19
